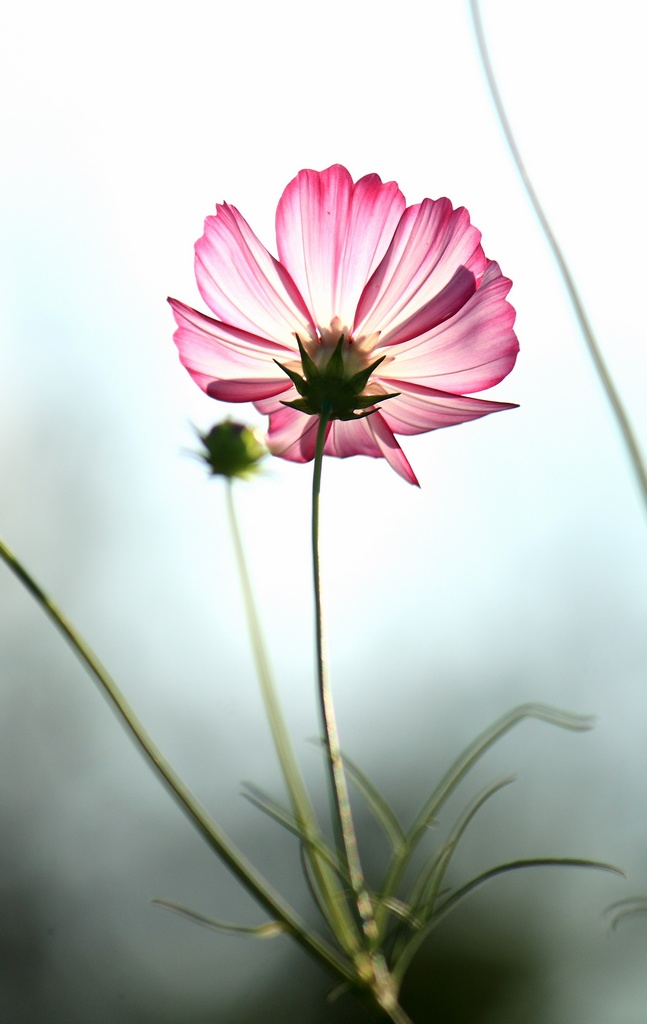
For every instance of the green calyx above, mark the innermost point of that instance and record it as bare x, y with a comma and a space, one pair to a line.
329, 389
232, 450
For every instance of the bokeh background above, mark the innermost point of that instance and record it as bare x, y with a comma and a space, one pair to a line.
516, 573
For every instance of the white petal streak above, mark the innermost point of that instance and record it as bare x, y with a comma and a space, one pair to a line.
243, 284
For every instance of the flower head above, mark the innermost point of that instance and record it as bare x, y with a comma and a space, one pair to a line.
383, 317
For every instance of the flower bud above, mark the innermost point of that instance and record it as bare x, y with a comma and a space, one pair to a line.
232, 449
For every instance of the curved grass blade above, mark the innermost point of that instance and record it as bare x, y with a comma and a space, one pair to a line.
460, 768
606, 380
416, 940
427, 889
282, 816
377, 804
263, 931
468, 758
630, 907
516, 865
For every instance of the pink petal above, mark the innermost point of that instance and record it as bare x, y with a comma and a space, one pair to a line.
292, 435
331, 236
432, 266
418, 409
225, 362
368, 436
243, 284
472, 351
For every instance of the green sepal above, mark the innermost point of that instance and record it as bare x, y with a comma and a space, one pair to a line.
359, 380
310, 368
335, 365
300, 384
301, 404
327, 388
366, 401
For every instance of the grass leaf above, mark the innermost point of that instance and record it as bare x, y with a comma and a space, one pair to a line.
416, 940
457, 772
263, 931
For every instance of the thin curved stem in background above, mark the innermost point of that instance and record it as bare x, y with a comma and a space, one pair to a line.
332, 905
299, 799
578, 306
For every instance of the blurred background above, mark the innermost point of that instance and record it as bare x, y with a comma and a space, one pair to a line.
516, 573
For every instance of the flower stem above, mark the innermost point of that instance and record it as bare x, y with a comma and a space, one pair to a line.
336, 911
344, 827
206, 826
371, 964
626, 431
298, 794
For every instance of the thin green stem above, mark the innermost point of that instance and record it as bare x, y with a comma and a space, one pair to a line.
238, 864
301, 805
613, 397
333, 905
345, 829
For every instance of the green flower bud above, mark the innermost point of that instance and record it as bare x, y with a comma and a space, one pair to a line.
232, 450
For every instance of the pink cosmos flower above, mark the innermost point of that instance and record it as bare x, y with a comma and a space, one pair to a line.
380, 316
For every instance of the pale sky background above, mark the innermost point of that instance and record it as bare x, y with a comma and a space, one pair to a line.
516, 573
